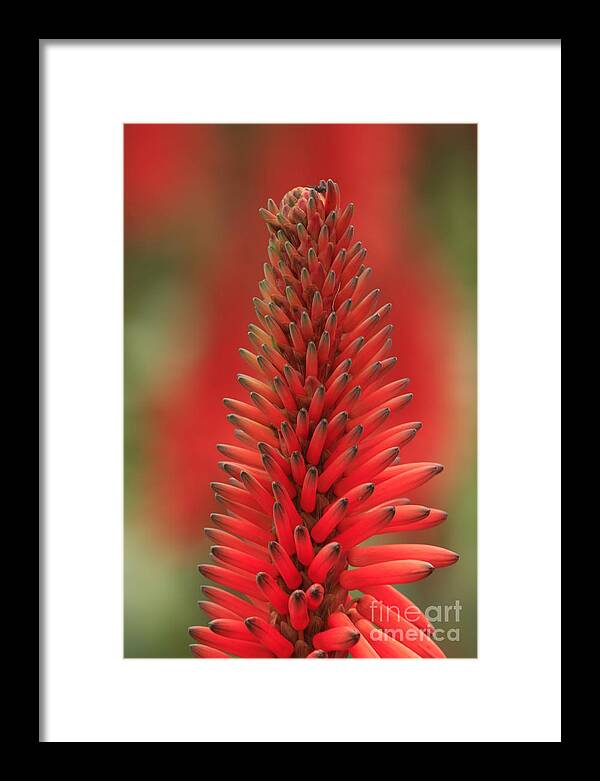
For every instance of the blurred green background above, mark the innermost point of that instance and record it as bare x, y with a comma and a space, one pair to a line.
194, 248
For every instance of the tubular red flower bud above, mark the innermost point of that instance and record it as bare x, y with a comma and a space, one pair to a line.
251, 514
290, 437
324, 562
329, 520
336, 469
248, 410
358, 495
314, 596
235, 558
283, 528
401, 484
315, 448
206, 652
240, 455
289, 507
385, 573
349, 439
315, 458
236, 580
312, 364
404, 516
337, 639
242, 648
437, 557
407, 609
433, 518
277, 474
362, 649
371, 524
284, 565
298, 610
235, 493
370, 469
304, 548
242, 528
298, 467
398, 627
270, 590
216, 611
268, 636
219, 537
231, 602
263, 498
384, 644
231, 627
302, 426
308, 496
336, 428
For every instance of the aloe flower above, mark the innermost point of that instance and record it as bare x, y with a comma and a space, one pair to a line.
316, 468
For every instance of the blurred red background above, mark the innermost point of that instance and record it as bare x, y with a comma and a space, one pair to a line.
194, 249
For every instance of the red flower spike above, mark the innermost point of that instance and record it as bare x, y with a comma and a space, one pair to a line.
315, 469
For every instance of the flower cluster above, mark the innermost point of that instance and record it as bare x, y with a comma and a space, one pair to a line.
316, 468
